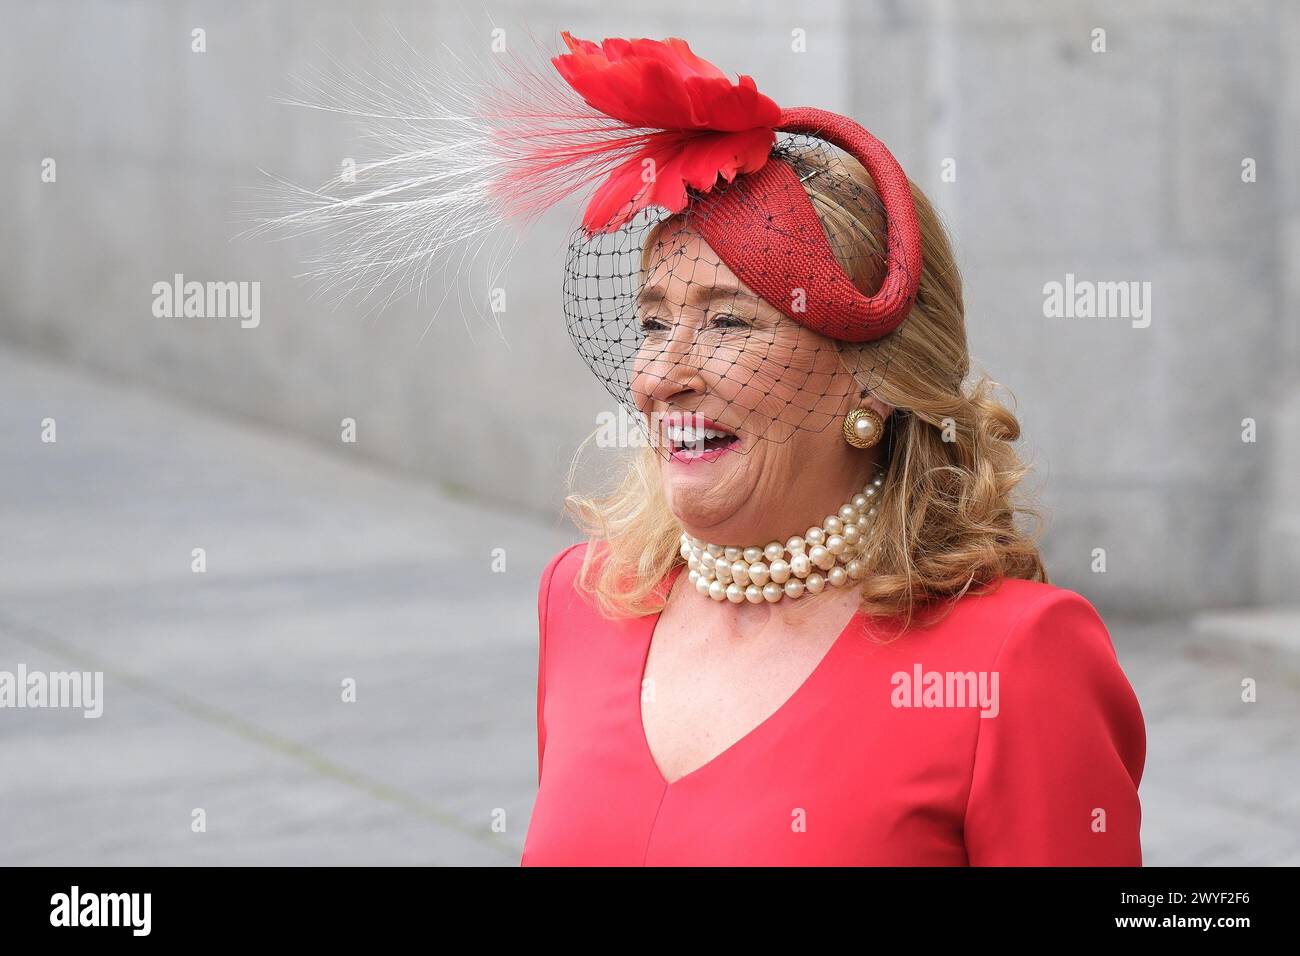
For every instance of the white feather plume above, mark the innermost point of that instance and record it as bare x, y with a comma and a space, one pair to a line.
462, 146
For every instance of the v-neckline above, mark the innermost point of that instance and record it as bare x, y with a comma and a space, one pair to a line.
784, 707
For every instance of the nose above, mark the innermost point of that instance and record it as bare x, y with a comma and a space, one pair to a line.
664, 370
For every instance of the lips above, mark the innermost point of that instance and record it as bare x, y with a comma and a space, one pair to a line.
693, 437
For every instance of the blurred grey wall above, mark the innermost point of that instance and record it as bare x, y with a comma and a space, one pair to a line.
1115, 166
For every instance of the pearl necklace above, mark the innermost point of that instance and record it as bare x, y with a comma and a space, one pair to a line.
827, 554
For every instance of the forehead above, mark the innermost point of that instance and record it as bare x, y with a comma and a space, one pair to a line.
675, 256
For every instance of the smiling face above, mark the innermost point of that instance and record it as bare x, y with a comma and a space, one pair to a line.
747, 401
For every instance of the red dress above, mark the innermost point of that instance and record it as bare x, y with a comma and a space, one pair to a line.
858, 766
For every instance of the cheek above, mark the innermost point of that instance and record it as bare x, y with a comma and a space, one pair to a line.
819, 446
782, 392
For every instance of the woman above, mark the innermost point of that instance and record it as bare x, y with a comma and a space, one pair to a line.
805, 628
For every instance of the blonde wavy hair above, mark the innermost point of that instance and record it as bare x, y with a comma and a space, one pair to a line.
946, 522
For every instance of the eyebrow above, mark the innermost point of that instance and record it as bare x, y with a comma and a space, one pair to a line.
700, 293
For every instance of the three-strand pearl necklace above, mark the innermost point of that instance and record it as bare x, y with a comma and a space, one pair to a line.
827, 554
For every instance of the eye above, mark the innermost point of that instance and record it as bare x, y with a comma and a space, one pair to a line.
728, 321
651, 324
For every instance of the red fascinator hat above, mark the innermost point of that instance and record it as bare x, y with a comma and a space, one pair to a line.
679, 128
799, 250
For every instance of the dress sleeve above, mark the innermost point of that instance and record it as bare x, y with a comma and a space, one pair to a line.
1056, 771
543, 599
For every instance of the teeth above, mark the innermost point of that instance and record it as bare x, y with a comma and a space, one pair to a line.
687, 435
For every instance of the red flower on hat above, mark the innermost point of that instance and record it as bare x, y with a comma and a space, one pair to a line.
706, 126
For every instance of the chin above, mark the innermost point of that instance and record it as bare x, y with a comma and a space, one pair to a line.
700, 503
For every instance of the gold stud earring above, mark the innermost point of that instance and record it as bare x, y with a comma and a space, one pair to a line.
863, 428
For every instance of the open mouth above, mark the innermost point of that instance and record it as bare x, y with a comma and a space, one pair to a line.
688, 442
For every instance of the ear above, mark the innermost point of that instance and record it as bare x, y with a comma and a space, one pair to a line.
883, 409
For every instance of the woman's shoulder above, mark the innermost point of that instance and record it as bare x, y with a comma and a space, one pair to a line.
1018, 600
1019, 593
1054, 662
1028, 621
558, 577
564, 564
558, 588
